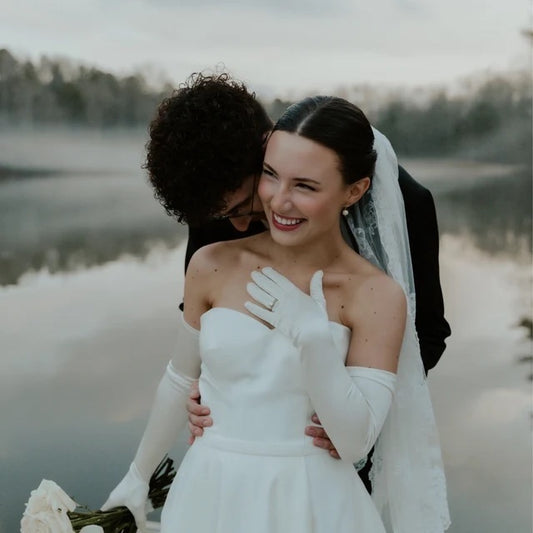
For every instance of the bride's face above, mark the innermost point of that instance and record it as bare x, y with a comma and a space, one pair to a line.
302, 189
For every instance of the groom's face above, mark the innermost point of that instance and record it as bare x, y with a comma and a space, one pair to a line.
243, 205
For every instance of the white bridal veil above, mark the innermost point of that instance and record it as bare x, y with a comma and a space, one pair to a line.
408, 482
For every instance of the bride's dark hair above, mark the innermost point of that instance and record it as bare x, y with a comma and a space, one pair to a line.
336, 124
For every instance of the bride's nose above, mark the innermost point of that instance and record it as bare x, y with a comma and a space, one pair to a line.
281, 200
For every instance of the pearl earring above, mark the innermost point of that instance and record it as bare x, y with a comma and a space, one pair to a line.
345, 212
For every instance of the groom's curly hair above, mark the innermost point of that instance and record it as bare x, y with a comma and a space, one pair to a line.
205, 140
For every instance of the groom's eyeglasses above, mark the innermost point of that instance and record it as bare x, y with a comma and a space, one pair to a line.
244, 208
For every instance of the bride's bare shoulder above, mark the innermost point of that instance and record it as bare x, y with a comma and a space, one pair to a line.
220, 259
207, 269
365, 292
376, 297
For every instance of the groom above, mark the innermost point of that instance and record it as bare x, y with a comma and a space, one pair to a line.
206, 145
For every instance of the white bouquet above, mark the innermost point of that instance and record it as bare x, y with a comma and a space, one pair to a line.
51, 510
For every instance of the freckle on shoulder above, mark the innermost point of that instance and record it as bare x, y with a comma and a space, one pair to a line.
207, 260
381, 288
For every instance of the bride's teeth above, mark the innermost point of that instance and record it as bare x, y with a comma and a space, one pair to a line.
287, 221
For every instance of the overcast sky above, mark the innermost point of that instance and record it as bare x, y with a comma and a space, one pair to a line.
280, 47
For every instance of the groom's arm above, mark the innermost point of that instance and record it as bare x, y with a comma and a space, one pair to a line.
431, 326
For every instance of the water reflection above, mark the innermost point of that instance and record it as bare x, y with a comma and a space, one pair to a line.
489, 204
81, 356
93, 208
83, 351
482, 399
69, 222
495, 213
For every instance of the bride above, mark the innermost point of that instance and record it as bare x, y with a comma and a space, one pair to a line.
290, 322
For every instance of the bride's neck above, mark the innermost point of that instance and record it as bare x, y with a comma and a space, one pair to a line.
307, 258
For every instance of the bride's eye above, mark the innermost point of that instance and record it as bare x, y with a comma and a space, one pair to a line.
306, 186
268, 172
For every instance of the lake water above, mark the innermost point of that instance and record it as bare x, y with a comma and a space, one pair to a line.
91, 273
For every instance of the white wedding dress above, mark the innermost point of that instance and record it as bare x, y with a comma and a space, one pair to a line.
254, 470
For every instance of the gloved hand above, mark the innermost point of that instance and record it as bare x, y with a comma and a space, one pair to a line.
131, 492
351, 402
299, 316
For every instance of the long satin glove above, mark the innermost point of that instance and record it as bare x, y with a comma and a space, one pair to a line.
351, 402
167, 418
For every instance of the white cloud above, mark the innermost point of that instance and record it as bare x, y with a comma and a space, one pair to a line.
281, 44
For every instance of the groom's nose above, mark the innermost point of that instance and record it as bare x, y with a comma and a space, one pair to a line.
241, 223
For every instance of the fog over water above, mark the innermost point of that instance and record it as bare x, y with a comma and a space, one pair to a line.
92, 205
92, 273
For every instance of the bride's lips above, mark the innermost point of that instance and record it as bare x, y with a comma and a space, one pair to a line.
286, 223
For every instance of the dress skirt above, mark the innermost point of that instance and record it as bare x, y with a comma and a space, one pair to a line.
234, 486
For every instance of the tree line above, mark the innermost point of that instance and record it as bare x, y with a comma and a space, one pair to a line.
52, 92
488, 118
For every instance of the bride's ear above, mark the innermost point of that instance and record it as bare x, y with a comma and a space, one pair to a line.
357, 190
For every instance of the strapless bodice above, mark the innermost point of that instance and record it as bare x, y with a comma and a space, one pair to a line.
255, 469
251, 378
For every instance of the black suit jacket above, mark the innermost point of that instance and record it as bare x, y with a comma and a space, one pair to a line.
431, 326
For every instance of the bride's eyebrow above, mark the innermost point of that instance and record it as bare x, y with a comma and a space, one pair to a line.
296, 178
301, 179
307, 180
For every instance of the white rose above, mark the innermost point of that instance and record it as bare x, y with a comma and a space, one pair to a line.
33, 524
57, 498
38, 502
46, 522
46, 510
